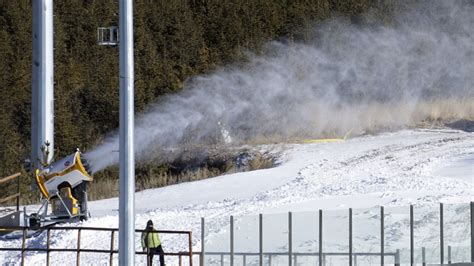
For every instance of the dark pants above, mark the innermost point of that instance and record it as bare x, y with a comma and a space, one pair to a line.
153, 251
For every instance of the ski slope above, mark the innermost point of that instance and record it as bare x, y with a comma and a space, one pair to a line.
420, 167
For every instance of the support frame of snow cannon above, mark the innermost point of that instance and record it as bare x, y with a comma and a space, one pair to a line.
63, 184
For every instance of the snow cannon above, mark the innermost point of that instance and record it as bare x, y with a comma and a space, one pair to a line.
63, 184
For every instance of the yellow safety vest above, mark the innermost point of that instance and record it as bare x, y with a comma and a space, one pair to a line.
150, 240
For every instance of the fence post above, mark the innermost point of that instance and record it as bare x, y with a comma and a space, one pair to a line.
397, 257
260, 238
441, 233
23, 246
472, 231
382, 236
412, 242
350, 236
203, 250
320, 237
48, 238
112, 240
449, 254
244, 260
190, 243
18, 193
231, 240
290, 240
78, 254
423, 256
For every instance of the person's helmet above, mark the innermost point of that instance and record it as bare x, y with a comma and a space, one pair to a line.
149, 224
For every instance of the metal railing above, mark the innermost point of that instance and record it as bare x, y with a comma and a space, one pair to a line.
78, 250
17, 194
267, 256
350, 255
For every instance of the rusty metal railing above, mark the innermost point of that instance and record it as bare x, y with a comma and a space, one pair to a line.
78, 250
17, 194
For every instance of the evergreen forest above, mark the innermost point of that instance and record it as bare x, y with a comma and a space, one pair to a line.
174, 41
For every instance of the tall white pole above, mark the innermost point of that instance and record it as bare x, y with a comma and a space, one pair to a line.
126, 153
42, 102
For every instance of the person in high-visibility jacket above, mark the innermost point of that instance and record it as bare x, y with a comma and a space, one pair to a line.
151, 244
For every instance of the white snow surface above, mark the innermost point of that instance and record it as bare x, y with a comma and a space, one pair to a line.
421, 167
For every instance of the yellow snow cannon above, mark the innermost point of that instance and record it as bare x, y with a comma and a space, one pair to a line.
64, 185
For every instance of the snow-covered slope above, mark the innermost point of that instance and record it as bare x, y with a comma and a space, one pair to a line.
392, 169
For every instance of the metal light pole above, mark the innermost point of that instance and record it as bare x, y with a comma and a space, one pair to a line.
126, 153
42, 102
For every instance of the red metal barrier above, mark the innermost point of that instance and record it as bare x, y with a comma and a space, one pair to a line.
78, 250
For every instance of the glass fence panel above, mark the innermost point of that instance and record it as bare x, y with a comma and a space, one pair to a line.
305, 238
366, 237
426, 230
336, 237
457, 233
217, 241
275, 238
397, 233
246, 240
366, 234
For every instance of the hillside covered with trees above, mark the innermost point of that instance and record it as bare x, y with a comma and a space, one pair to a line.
174, 40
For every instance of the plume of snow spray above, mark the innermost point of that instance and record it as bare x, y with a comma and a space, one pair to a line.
349, 77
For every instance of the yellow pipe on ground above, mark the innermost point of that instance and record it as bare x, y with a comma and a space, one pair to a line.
321, 140
328, 140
